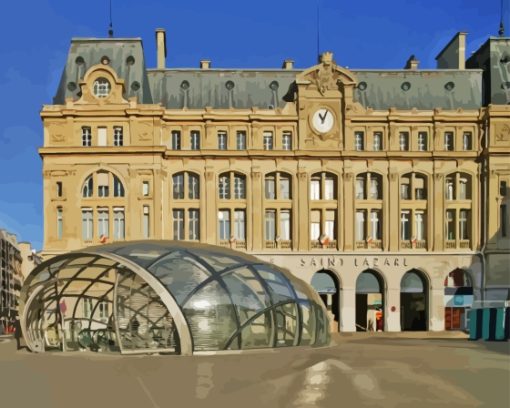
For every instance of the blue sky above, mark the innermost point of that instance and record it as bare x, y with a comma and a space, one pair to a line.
365, 34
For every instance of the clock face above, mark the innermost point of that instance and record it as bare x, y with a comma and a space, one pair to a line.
323, 120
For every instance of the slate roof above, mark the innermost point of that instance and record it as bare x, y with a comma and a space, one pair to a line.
263, 88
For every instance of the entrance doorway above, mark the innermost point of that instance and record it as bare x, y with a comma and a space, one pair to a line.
458, 299
413, 301
369, 301
326, 284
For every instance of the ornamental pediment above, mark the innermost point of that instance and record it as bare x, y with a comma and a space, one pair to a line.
326, 76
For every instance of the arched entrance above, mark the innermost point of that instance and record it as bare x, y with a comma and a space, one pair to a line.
413, 301
458, 298
370, 301
326, 284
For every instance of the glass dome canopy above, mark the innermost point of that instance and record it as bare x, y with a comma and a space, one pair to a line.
167, 297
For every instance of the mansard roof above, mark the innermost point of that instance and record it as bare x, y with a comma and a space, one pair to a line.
264, 88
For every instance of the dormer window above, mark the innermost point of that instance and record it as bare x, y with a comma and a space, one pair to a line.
102, 88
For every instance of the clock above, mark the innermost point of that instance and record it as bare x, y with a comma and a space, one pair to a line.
323, 120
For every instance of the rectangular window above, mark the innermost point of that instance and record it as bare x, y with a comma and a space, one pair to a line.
239, 188
103, 310
101, 136
464, 224
503, 220
315, 189
450, 225
449, 188
285, 225
359, 140
270, 223
145, 188
419, 225
360, 225
377, 141
315, 225
329, 188
224, 187
284, 188
118, 136
467, 141
268, 140
405, 191
87, 307
463, 189
87, 224
287, 141
403, 140
193, 187
60, 223
422, 141
194, 224
176, 140
86, 136
222, 141
119, 224
102, 184
330, 224
240, 225
194, 141
224, 224
241, 140
448, 141
269, 187
420, 192
375, 224
405, 226
360, 188
59, 189
178, 216
502, 188
103, 223
178, 186
374, 188
146, 221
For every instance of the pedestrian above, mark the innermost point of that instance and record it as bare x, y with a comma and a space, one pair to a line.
17, 332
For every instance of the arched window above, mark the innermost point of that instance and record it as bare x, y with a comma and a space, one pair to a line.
277, 186
232, 184
105, 182
88, 187
368, 186
413, 186
186, 185
458, 186
323, 186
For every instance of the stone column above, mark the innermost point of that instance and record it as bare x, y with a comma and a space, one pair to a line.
394, 211
303, 211
436, 309
437, 233
256, 210
349, 212
392, 318
210, 215
348, 309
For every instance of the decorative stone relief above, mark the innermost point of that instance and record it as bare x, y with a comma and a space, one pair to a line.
502, 133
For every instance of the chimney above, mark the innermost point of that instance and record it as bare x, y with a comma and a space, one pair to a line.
205, 64
161, 47
288, 64
412, 63
453, 56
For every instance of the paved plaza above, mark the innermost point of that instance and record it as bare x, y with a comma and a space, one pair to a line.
376, 370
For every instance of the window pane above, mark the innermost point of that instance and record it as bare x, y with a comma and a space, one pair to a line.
103, 221
285, 225
178, 186
329, 184
270, 188
178, 224
284, 188
360, 188
270, 224
194, 225
315, 188
118, 224
239, 187
224, 224
224, 187
405, 228
360, 226
241, 140
193, 187
374, 187
239, 225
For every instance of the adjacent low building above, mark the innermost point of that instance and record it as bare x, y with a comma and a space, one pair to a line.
387, 189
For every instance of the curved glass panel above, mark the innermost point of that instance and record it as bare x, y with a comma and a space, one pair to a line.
278, 284
286, 324
181, 275
367, 282
412, 283
211, 318
308, 329
247, 293
259, 333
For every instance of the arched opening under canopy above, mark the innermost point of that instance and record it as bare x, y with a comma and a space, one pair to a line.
370, 301
326, 284
458, 298
413, 301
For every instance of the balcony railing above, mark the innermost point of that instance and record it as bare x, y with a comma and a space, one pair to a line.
315, 244
421, 244
406, 244
465, 243
375, 244
361, 244
239, 244
224, 243
285, 244
270, 244
451, 244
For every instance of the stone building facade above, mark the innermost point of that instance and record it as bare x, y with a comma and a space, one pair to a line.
386, 189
